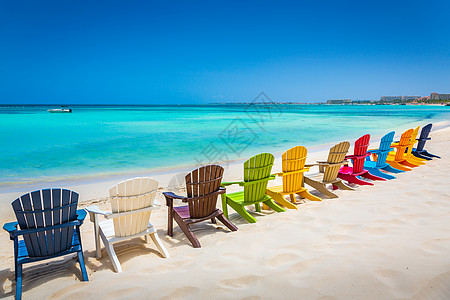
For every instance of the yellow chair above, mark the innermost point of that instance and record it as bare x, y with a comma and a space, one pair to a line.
293, 166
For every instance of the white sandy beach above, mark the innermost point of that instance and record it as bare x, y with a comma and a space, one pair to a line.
387, 241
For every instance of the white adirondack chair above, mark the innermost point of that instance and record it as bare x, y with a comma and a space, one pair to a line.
131, 202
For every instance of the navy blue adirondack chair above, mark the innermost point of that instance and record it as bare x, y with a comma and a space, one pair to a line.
419, 151
382, 152
50, 227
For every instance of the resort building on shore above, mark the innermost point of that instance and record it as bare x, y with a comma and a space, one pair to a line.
423, 99
339, 101
436, 96
393, 98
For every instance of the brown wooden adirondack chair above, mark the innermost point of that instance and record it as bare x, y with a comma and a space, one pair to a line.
203, 188
328, 171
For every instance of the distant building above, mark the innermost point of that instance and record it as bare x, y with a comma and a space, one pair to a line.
423, 99
436, 96
339, 101
363, 101
393, 98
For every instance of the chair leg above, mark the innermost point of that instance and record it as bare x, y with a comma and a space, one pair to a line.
244, 213
170, 222
340, 184
159, 245
419, 155
306, 194
257, 207
414, 160
420, 159
270, 203
425, 152
390, 169
353, 179
19, 281
320, 187
226, 222
408, 164
224, 205
213, 220
82, 266
185, 228
378, 173
98, 245
398, 166
280, 199
112, 254
370, 176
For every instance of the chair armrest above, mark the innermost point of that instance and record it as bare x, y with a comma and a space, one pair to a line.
277, 174
173, 196
95, 210
170, 196
223, 184
81, 215
11, 227
310, 165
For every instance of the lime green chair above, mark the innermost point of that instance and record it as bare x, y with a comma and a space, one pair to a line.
256, 176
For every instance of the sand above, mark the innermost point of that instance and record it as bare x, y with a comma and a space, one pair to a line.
387, 241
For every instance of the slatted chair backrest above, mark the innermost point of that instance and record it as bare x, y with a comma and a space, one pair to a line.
201, 182
293, 165
424, 136
385, 148
257, 169
360, 153
129, 195
402, 144
412, 140
47, 208
335, 158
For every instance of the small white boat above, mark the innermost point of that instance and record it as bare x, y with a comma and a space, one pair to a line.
63, 109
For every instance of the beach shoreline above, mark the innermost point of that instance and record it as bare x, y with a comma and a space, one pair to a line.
95, 188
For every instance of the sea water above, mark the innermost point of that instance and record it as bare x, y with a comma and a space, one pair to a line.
36, 145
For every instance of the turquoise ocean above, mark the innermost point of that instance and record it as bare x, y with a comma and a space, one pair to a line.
110, 140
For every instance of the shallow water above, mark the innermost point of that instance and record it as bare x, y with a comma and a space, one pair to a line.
103, 140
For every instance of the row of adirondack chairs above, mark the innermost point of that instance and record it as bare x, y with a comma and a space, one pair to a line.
48, 221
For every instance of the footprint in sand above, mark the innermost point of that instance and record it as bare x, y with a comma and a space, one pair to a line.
241, 282
436, 288
394, 279
303, 266
339, 238
436, 246
376, 230
182, 293
281, 260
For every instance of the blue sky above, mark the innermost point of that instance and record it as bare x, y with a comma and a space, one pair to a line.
144, 52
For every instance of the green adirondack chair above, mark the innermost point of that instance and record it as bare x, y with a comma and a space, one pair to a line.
256, 176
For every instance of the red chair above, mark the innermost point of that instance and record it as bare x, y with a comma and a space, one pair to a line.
352, 173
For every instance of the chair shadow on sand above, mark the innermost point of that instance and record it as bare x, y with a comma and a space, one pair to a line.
35, 274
